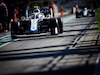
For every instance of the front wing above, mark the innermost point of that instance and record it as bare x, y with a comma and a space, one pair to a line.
29, 27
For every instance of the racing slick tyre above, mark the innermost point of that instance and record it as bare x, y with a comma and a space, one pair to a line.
60, 25
54, 27
14, 29
93, 14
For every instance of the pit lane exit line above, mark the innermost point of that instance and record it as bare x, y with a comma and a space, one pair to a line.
6, 40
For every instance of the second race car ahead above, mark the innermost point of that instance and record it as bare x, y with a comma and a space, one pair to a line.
85, 12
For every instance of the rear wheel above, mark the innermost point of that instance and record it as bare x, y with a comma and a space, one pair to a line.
76, 14
60, 25
54, 27
14, 30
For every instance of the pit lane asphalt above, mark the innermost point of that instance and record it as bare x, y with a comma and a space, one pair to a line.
52, 54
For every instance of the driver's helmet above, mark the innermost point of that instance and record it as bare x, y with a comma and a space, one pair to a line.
36, 10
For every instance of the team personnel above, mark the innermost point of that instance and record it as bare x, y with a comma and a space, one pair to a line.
3, 15
76, 12
62, 13
52, 6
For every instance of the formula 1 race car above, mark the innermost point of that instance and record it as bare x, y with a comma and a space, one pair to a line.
40, 21
88, 12
91, 12
85, 12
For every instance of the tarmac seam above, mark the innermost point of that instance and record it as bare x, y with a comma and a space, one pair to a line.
82, 34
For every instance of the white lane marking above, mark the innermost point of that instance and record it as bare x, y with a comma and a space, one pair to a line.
97, 61
5, 40
5, 44
96, 71
4, 36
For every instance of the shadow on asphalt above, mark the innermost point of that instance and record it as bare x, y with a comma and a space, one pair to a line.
84, 55
51, 37
89, 53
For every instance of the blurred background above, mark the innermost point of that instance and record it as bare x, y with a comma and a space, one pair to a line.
66, 4
74, 51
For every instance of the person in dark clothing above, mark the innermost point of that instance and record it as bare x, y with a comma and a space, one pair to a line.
62, 13
76, 11
3, 16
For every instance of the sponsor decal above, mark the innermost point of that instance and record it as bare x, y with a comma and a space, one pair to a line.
34, 25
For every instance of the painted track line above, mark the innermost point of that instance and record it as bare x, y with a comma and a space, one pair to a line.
4, 36
5, 40
97, 66
5, 44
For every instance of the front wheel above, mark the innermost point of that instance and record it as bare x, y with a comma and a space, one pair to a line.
60, 25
